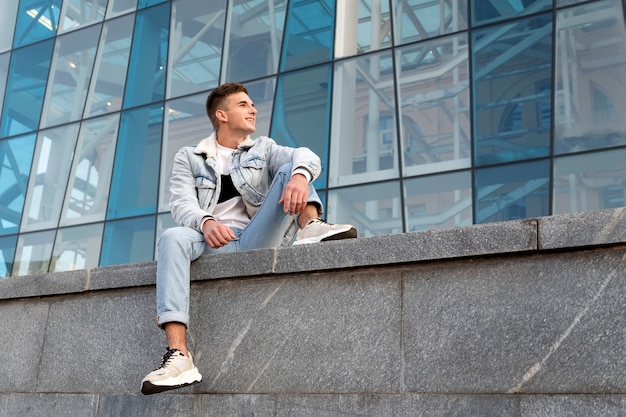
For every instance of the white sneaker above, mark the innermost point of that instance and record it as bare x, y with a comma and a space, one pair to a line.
176, 371
319, 231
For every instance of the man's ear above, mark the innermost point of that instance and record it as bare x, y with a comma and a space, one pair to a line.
221, 115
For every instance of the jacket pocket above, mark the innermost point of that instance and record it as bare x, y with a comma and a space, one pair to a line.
205, 187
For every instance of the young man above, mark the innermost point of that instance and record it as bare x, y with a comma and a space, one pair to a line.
229, 193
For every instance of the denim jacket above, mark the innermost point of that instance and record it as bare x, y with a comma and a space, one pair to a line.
196, 183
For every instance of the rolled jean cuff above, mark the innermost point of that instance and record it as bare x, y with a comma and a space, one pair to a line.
172, 316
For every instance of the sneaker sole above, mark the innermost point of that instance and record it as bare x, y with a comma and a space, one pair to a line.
185, 379
348, 234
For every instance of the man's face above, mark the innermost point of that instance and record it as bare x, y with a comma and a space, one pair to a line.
240, 113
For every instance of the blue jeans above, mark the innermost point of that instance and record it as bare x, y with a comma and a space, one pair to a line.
179, 246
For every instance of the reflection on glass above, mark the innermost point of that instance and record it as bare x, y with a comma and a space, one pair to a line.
77, 248
88, 188
15, 156
48, 178
364, 140
253, 39
134, 185
186, 124
8, 15
374, 209
195, 46
262, 94
489, 11
128, 241
436, 202
69, 76
591, 181
36, 20
434, 103
416, 20
7, 252
25, 88
77, 13
109, 74
4, 72
512, 90
365, 26
146, 70
512, 192
33, 253
117, 7
309, 33
590, 77
301, 113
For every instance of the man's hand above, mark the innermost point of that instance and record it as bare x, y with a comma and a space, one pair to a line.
216, 234
295, 194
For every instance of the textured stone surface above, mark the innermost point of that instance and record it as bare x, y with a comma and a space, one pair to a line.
313, 333
573, 405
42, 285
583, 229
122, 276
234, 265
552, 323
48, 405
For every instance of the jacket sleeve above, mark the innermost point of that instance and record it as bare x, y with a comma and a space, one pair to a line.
184, 203
302, 157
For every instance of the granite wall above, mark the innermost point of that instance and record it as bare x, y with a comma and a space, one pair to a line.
522, 318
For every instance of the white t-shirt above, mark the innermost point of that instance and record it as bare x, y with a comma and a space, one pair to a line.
232, 212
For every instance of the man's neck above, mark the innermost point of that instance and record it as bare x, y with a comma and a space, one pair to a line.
231, 142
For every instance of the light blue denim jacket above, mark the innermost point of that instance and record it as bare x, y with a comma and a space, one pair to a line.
196, 183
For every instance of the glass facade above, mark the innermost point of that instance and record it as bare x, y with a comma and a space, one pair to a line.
426, 113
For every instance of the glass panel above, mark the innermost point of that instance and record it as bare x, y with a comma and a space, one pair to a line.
186, 124
48, 178
309, 33
78, 13
4, 73
70, 73
434, 103
254, 31
374, 209
36, 20
512, 90
488, 11
16, 156
88, 188
33, 253
25, 88
146, 71
301, 113
512, 192
8, 16
436, 202
262, 94
7, 252
77, 248
365, 26
416, 20
364, 139
195, 46
109, 75
136, 170
561, 3
590, 182
128, 241
118, 7
590, 77
148, 3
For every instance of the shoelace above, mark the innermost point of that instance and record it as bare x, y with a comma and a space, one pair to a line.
167, 357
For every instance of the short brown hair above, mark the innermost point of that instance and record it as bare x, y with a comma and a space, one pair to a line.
217, 96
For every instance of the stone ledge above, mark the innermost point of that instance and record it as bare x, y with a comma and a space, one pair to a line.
578, 230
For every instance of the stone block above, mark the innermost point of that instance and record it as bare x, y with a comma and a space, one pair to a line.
234, 265
122, 276
48, 405
307, 333
534, 324
41, 285
589, 228
573, 405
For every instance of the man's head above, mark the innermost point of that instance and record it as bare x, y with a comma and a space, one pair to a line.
217, 100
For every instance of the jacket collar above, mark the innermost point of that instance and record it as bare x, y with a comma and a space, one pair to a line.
208, 146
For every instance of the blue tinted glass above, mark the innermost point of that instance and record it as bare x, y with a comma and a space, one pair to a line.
16, 156
146, 70
7, 252
136, 168
25, 88
296, 125
512, 75
147, 3
487, 11
128, 241
512, 192
36, 20
309, 33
